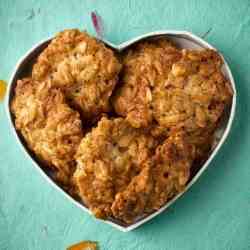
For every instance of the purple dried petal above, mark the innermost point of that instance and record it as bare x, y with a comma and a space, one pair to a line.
98, 24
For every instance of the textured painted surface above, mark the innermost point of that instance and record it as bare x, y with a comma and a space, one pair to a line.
213, 215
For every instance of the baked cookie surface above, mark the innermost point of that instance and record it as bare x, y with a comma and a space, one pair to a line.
83, 67
51, 129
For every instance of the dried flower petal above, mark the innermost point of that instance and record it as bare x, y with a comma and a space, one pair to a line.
84, 245
98, 24
3, 87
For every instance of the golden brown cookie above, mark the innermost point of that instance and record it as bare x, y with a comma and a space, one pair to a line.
83, 67
195, 93
108, 158
51, 129
163, 177
145, 67
131, 203
171, 169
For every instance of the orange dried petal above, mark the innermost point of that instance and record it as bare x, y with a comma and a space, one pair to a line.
84, 245
3, 87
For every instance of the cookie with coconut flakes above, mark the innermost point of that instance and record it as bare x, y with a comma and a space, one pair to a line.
81, 66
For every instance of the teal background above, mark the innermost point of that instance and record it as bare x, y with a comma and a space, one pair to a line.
213, 215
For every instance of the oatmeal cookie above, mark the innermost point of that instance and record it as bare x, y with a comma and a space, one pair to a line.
145, 66
83, 67
51, 129
108, 158
131, 203
171, 169
163, 177
171, 88
195, 93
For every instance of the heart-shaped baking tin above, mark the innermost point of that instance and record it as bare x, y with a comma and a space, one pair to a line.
182, 39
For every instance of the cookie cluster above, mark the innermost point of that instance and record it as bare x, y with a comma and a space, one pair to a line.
121, 132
